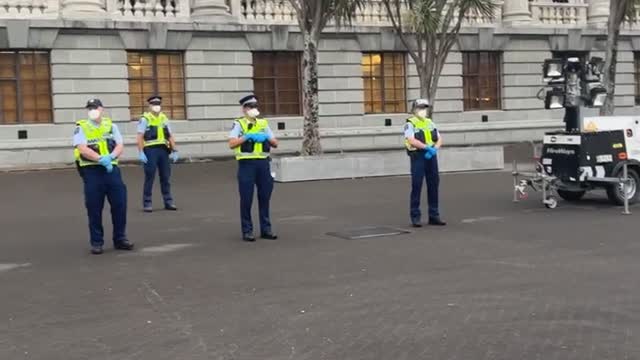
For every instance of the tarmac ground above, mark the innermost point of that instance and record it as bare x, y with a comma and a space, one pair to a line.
503, 280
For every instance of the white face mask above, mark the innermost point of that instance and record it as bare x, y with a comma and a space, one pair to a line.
422, 113
253, 113
94, 114
156, 108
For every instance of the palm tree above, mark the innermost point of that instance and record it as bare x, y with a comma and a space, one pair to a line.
313, 17
619, 10
428, 30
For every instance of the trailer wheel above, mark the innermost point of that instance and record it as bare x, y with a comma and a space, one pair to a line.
551, 202
615, 193
571, 195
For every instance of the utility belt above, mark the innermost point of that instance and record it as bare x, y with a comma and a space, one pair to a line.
159, 146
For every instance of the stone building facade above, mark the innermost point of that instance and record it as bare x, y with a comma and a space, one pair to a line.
203, 55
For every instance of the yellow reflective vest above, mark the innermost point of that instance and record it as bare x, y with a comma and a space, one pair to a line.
99, 139
249, 149
157, 132
425, 132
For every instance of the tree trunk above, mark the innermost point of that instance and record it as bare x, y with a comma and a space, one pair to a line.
425, 86
311, 135
611, 61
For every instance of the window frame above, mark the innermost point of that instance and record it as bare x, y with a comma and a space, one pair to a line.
277, 113
17, 80
636, 75
498, 77
155, 80
382, 76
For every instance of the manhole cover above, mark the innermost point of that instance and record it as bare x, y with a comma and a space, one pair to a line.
368, 232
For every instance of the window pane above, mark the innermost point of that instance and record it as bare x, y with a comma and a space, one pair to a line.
33, 78
481, 80
276, 82
8, 103
384, 83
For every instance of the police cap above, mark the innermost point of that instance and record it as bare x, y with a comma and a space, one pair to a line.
421, 103
248, 100
155, 100
93, 104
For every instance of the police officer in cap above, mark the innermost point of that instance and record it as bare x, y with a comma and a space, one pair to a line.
156, 145
423, 141
97, 146
252, 140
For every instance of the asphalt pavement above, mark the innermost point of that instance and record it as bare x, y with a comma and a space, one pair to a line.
503, 281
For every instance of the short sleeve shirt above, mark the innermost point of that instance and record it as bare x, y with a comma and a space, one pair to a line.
410, 130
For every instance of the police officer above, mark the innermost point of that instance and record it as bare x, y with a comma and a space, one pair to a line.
156, 145
423, 141
97, 145
252, 139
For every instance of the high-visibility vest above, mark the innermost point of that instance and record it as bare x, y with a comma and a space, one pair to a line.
157, 132
425, 132
99, 139
249, 149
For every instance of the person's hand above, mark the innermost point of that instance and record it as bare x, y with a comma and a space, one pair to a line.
428, 154
250, 137
260, 137
143, 157
109, 168
434, 150
105, 160
174, 156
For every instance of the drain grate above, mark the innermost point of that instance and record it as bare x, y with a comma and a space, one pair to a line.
368, 232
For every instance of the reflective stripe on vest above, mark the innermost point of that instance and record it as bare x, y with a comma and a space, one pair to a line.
157, 122
99, 139
423, 128
250, 150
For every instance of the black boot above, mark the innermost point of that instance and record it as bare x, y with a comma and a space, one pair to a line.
436, 221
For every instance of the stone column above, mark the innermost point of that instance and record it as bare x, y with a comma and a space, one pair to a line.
210, 10
598, 13
90, 8
516, 12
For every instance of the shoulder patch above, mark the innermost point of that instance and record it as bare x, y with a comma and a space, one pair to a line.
76, 131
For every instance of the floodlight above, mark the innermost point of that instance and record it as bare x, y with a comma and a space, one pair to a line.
573, 65
597, 65
552, 68
554, 99
598, 96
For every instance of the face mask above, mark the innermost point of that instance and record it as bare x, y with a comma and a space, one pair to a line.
156, 108
422, 113
253, 113
94, 114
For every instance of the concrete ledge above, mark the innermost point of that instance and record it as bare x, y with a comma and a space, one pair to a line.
384, 163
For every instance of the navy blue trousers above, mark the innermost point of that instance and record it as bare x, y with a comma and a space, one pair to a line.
252, 174
98, 184
158, 161
423, 169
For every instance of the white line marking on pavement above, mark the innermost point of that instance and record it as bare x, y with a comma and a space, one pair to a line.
7, 267
482, 219
164, 248
302, 218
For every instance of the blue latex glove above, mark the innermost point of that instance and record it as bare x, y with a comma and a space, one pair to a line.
250, 137
109, 168
434, 150
105, 160
174, 156
142, 157
260, 137
428, 154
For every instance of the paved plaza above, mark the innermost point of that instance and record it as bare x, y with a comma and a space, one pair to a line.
502, 281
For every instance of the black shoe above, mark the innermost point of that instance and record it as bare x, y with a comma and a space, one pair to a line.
147, 209
97, 250
248, 237
437, 222
170, 207
123, 245
269, 236
416, 224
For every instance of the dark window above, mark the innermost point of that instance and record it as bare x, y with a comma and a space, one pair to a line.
159, 73
25, 87
384, 78
276, 82
481, 80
